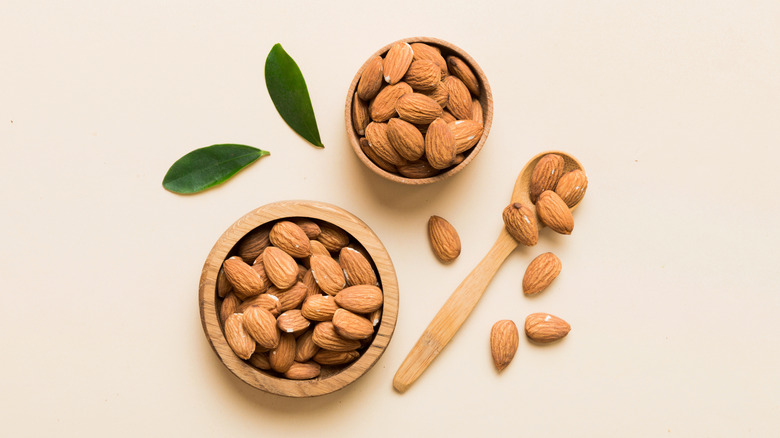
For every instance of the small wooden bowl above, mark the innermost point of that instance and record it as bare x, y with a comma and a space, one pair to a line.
485, 98
298, 209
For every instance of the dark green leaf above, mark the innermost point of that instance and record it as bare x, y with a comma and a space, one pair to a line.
209, 166
288, 91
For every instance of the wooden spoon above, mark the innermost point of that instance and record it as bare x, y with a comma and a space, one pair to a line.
460, 304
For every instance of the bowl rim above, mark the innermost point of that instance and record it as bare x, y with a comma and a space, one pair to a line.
487, 120
294, 209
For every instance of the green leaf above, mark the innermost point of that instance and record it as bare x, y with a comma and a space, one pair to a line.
288, 91
209, 166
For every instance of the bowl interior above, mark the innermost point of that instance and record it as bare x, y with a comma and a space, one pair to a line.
485, 99
332, 378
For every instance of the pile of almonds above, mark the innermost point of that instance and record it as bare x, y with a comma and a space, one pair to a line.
298, 297
416, 113
554, 193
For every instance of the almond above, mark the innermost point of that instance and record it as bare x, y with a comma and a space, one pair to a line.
423, 75
290, 238
305, 348
439, 145
545, 328
223, 284
462, 71
326, 337
417, 108
540, 273
327, 357
259, 360
431, 53
547, 172
520, 222
375, 317
351, 326
229, 306
406, 139
444, 239
266, 301
333, 238
448, 117
382, 108
503, 343
397, 62
253, 244
292, 297
357, 269
319, 308
282, 357
237, 338
259, 267
376, 134
554, 213
261, 326
571, 187
303, 371
309, 227
360, 299
302, 271
280, 267
476, 111
439, 94
459, 102
361, 117
418, 169
376, 159
370, 80
458, 159
292, 321
328, 274
246, 282
467, 134
311, 284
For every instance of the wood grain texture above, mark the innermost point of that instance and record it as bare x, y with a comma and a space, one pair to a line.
292, 209
485, 98
463, 300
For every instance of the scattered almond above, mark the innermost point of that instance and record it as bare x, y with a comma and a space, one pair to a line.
504, 339
545, 328
540, 273
444, 239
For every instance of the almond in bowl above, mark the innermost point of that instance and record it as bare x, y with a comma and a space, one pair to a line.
298, 298
419, 110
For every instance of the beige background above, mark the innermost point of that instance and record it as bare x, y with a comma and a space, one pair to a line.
670, 279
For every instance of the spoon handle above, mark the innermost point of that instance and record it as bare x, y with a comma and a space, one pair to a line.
454, 312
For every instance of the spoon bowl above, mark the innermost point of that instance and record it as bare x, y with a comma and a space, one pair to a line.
522, 190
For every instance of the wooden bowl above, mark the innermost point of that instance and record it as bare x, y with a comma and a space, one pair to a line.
265, 381
485, 98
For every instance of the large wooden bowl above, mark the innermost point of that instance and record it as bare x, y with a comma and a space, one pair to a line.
485, 98
307, 209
